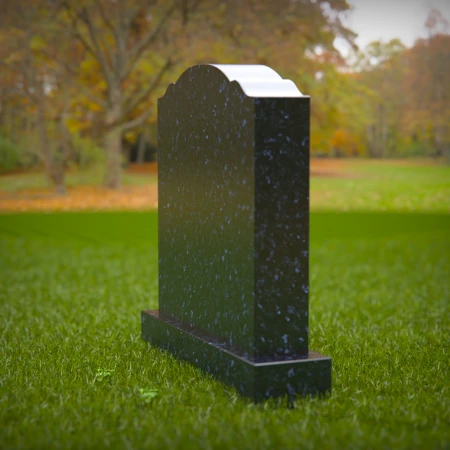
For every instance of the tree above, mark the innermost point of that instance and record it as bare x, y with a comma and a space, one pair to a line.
102, 84
381, 71
427, 93
30, 44
117, 36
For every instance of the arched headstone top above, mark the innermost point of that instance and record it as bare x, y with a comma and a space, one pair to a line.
255, 80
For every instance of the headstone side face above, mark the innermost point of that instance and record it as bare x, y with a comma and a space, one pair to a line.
206, 207
281, 227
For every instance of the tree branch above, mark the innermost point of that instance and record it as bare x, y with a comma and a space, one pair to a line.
186, 11
137, 122
136, 51
62, 69
88, 94
133, 101
81, 38
98, 52
105, 19
124, 19
20, 93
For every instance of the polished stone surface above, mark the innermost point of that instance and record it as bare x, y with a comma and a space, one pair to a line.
310, 376
234, 224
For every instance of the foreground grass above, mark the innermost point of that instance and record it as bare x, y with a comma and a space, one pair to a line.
74, 372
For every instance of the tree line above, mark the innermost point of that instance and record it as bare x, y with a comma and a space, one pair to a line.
79, 79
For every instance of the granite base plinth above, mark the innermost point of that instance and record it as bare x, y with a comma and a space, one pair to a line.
257, 380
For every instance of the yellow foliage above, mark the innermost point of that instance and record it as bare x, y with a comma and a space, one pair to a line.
146, 66
37, 43
339, 139
131, 136
90, 65
315, 140
102, 85
92, 106
344, 142
74, 125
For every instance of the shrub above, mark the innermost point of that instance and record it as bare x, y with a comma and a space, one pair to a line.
9, 155
87, 153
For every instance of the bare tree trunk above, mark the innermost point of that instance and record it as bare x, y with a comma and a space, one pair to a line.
54, 169
2, 107
141, 149
372, 140
382, 132
113, 139
377, 134
437, 140
113, 149
58, 178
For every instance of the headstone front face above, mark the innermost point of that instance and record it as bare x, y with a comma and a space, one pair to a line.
234, 230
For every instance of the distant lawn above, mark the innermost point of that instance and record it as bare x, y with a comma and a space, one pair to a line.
74, 372
14, 183
384, 186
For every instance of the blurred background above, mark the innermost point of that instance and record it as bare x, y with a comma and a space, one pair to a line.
79, 82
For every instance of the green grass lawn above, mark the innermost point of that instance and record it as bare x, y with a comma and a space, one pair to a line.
74, 372
384, 187
15, 183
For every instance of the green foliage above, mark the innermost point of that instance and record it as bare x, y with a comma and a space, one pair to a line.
17, 155
414, 148
87, 153
378, 54
9, 155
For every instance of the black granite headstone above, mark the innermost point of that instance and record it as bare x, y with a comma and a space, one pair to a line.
233, 182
